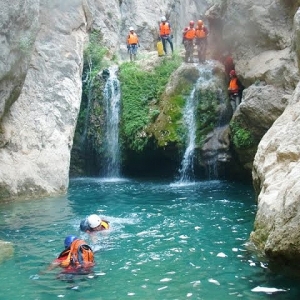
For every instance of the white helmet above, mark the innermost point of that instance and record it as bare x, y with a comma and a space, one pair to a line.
163, 19
93, 221
131, 28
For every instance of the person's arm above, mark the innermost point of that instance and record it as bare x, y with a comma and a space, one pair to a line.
206, 31
171, 31
56, 263
241, 87
53, 265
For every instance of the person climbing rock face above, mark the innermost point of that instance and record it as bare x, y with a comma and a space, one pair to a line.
228, 63
235, 90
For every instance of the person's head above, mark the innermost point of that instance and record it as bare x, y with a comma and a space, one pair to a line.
232, 73
200, 23
93, 221
163, 19
131, 29
192, 23
69, 240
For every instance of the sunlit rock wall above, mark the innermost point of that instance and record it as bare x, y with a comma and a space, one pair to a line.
276, 177
38, 128
18, 30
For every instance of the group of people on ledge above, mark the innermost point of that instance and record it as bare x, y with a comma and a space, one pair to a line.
77, 256
191, 36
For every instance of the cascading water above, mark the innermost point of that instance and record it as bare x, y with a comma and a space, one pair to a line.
112, 96
186, 172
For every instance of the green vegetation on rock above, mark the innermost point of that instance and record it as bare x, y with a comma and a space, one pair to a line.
89, 130
206, 114
241, 137
141, 94
93, 62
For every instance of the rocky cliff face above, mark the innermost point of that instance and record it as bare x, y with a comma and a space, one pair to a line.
276, 176
19, 26
44, 41
38, 127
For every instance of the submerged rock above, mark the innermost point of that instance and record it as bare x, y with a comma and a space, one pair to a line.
7, 250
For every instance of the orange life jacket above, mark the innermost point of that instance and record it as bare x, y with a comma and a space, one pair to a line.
189, 34
80, 256
164, 29
200, 32
233, 85
132, 38
63, 255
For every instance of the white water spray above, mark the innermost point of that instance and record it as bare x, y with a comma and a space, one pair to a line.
186, 171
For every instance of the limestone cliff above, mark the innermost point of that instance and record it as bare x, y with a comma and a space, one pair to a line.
38, 126
276, 179
38, 119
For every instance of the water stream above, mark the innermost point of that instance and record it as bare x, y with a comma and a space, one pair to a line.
186, 171
112, 96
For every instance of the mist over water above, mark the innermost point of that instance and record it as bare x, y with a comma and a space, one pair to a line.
167, 241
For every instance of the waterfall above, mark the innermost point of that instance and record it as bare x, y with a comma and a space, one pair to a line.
112, 96
186, 171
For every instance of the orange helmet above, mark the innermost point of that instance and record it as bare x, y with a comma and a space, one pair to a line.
200, 22
192, 23
232, 73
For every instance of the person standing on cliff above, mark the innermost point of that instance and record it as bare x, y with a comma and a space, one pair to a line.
189, 34
165, 34
132, 43
201, 40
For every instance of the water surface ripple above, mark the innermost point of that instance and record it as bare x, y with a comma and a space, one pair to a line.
168, 241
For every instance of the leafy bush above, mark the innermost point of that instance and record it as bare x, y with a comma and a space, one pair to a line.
93, 60
241, 137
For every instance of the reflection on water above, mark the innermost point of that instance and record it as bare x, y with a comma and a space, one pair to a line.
167, 241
